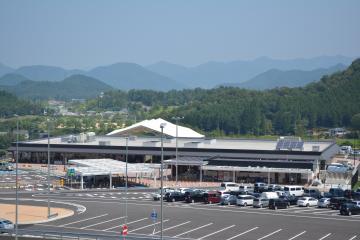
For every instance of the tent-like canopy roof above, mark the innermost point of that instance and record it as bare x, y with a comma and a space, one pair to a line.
153, 125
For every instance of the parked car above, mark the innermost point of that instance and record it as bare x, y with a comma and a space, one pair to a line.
245, 200
352, 194
269, 195
212, 197
174, 196
261, 202
194, 196
5, 225
335, 202
246, 189
260, 187
291, 199
230, 186
275, 187
334, 192
157, 196
297, 191
349, 208
307, 202
278, 203
324, 203
228, 200
312, 192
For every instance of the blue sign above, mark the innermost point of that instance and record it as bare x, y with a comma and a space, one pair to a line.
71, 172
153, 215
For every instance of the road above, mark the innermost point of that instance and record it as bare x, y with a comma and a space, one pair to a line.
104, 213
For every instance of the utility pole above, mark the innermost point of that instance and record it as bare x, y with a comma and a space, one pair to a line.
48, 169
16, 181
126, 178
161, 176
176, 149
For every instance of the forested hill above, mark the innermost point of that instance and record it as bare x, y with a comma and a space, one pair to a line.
10, 105
328, 103
75, 86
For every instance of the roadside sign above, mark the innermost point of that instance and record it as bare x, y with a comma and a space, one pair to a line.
71, 172
153, 215
124, 231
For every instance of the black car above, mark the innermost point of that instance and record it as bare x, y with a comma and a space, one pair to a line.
174, 196
291, 199
334, 192
260, 187
336, 202
352, 194
194, 196
278, 203
349, 209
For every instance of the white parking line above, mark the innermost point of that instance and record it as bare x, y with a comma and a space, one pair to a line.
193, 229
352, 238
308, 210
173, 227
148, 226
216, 232
269, 234
325, 236
297, 235
242, 233
103, 222
324, 212
83, 220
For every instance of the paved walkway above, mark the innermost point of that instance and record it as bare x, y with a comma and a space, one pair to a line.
32, 214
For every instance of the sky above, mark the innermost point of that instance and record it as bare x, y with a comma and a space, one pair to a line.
85, 34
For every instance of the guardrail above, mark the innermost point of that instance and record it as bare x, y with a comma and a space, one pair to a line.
39, 234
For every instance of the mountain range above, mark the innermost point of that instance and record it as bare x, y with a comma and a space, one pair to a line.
292, 78
164, 76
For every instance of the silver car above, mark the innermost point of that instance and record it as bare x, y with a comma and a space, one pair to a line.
5, 225
245, 200
324, 203
261, 202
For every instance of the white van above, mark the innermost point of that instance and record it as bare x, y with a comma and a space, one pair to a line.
230, 186
269, 195
293, 190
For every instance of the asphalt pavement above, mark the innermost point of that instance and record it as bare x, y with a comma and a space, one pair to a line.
103, 213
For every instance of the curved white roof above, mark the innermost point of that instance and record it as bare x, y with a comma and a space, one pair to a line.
153, 125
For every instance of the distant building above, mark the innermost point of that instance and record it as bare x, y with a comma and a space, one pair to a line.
24, 133
199, 158
337, 132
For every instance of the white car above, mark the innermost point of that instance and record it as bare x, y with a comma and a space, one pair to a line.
307, 202
5, 225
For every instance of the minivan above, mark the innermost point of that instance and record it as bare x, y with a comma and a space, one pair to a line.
245, 200
297, 191
231, 186
278, 203
212, 197
261, 202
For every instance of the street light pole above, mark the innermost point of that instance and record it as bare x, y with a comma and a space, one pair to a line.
16, 181
126, 178
48, 169
176, 149
162, 125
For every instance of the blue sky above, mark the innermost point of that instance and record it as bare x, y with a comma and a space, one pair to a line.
84, 34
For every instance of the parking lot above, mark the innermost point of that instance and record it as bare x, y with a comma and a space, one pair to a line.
105, 214
29, 180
